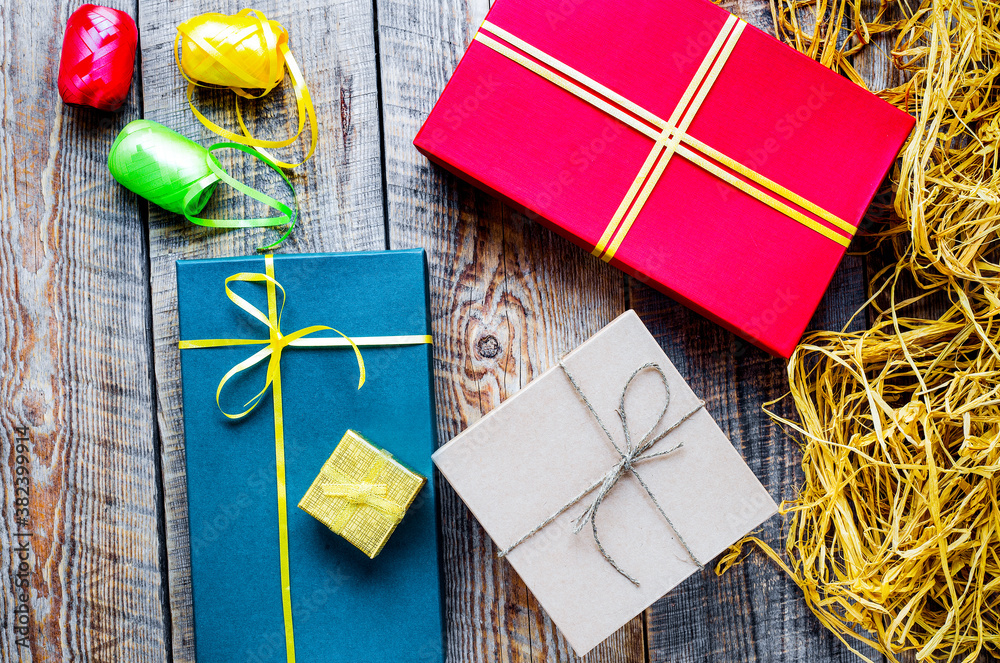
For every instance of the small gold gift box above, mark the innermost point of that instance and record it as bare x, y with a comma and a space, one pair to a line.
361, 493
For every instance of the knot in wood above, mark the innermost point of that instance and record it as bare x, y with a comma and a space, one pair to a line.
488, 346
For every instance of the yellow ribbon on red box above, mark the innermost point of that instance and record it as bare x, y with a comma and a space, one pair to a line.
670, 136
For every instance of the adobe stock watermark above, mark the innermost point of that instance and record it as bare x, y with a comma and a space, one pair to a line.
307, 605
558, 538
258, 485
457, 114
695, 47
785, 129
311, 603
21, 554
747, 507
563, 11
766, 319
580, 160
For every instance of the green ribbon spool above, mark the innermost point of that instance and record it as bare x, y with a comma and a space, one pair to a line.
180, 176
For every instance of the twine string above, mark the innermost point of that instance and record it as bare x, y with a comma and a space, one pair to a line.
629, 456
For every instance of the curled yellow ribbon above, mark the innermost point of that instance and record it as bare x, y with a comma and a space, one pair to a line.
274, 348
242, 52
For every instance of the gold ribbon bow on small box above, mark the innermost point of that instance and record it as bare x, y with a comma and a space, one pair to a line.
361, 493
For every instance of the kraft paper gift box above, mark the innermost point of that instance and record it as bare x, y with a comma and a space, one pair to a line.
688, 149
340, 601
542, 448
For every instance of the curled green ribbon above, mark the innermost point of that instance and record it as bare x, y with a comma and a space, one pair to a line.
180, 176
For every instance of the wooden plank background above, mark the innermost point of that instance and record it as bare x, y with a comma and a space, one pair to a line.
75, 342
89, 335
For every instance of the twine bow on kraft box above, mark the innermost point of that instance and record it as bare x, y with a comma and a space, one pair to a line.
676, 142
605, 482
279, 356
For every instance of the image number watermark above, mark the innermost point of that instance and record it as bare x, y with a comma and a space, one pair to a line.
21, 554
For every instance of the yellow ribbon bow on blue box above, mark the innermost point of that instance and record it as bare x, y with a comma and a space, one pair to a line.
255, 563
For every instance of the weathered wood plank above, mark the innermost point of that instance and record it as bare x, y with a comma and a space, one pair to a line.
508, 297
74, 343
879, 76
339, 194
754, 612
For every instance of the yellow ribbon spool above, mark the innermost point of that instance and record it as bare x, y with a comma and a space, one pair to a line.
242, 52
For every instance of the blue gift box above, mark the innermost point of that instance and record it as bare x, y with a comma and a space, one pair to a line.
344, 607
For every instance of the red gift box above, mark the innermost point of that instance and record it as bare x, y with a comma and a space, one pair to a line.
690, 150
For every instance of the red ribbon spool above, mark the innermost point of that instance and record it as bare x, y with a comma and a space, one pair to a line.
98, 56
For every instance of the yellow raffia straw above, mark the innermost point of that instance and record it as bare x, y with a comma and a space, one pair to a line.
894, 537
949, 186
896, 529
